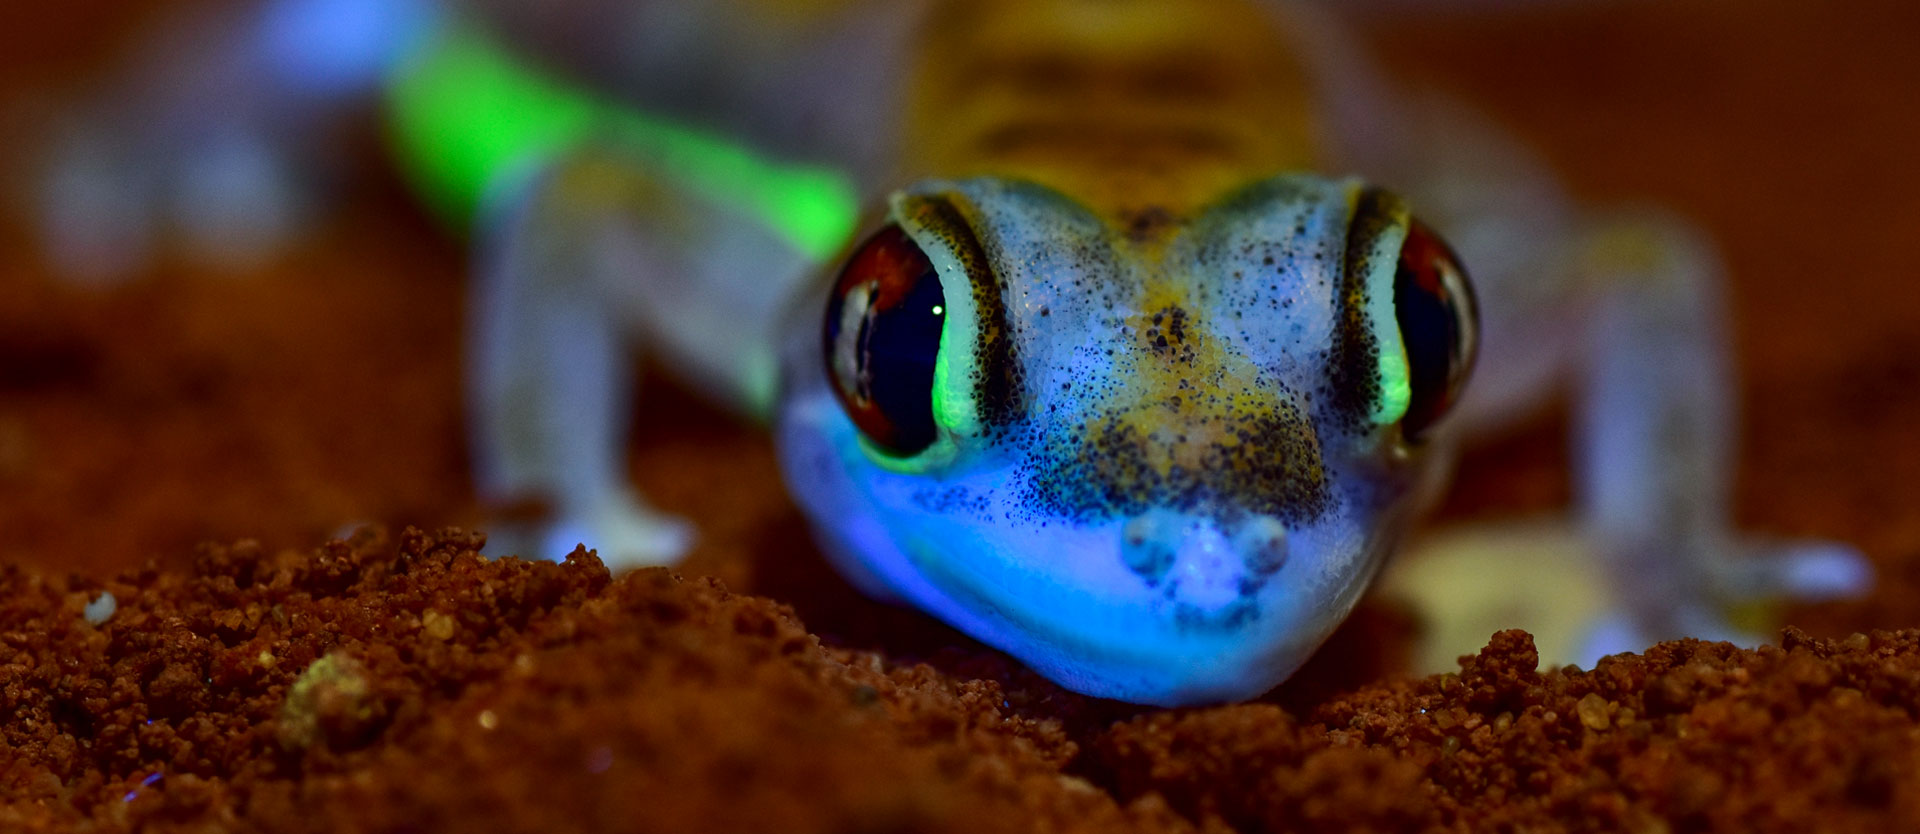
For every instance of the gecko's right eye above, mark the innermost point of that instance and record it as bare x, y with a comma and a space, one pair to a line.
882, 340
1439, 326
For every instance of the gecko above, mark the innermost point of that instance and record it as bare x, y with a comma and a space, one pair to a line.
1129, 337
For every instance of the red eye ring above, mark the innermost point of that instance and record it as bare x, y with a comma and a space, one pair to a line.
1439, 327
882, 341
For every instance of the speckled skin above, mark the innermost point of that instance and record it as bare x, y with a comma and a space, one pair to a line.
1154, 481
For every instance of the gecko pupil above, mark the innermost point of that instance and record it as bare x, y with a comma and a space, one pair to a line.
882, 341
1439, 325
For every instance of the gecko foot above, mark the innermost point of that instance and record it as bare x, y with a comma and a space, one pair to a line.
1805, 570
625, 532
1546, 576
1742, 590
113, 194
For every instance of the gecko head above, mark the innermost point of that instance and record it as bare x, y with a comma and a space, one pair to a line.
1156, 458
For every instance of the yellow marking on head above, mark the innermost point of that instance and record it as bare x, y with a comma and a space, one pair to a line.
1192, 411
1123, 105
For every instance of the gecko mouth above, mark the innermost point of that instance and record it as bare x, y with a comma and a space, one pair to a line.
1205, 599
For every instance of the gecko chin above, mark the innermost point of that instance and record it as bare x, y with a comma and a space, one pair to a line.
1164, 606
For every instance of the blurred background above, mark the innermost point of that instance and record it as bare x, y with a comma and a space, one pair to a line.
285, 396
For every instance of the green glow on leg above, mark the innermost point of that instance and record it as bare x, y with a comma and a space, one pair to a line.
465, 112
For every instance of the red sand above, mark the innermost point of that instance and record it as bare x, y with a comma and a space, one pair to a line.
280, 407
412, 685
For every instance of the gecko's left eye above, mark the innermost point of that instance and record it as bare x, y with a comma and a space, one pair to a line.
1439, 326
882, 339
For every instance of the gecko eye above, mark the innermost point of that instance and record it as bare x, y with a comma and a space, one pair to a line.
882, 339
1439, 325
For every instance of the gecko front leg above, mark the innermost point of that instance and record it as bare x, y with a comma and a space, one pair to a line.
1628, 309
593, 258
1655, 429
1650, 551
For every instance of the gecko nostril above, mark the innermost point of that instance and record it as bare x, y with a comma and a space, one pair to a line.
1148, 546
1262, 543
